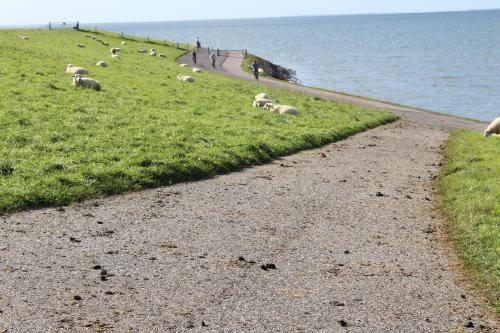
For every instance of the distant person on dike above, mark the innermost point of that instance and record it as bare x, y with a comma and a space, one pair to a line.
213, 58
198, 44
255, 69
194, 56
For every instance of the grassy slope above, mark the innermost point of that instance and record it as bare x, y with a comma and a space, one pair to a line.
470, 189
145, 129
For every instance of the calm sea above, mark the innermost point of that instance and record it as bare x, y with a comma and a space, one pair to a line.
446, 62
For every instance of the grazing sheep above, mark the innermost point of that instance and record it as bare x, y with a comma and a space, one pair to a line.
73, 70
185, 78
183, 65
86, 82
285, 109
260, 103
152, 53
260, 70
268, 106
196, 70
162, 55
124, 43
142, 51
24, 37
102, 64
262, 96
80, 45
494, 128
115, 50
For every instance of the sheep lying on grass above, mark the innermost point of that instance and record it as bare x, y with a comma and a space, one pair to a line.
73, 70
260, 70
80, 45
183, 65
493, 128
86, 82
24, 37
285, 109
260, 103
281, 109
185, 78
262, 96
115, 50
102, 64
196, 70
142, 51
124, 43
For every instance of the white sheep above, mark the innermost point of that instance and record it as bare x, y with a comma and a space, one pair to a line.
260, 70
102, 64
183, 65
142, 51
73, 70
494, 128
152, 53
124, 43
86, 82
115, 50
24, 37
80, 45
196, 70
185, 78
285, 109
260, 103
262, 96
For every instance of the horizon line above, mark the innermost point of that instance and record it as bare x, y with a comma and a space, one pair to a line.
267, 17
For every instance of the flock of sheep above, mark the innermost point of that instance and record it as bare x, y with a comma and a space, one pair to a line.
261, 100
79, 72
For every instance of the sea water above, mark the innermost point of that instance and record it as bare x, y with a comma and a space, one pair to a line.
446, 62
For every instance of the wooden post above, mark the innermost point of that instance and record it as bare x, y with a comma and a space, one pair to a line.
50, 27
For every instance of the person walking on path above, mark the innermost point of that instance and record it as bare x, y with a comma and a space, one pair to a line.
213, 57
194, 57
198, 44
255, 69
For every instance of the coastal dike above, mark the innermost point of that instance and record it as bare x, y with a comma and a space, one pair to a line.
164, 205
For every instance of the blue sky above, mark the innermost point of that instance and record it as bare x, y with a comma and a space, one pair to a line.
14, 12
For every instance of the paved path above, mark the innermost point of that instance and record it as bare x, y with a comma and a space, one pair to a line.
350, 229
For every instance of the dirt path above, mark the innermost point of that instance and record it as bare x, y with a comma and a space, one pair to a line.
349, 228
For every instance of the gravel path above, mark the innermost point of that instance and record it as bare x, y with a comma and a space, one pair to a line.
340, 239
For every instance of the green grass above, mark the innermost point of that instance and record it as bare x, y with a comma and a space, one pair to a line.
62, 144
470, 198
